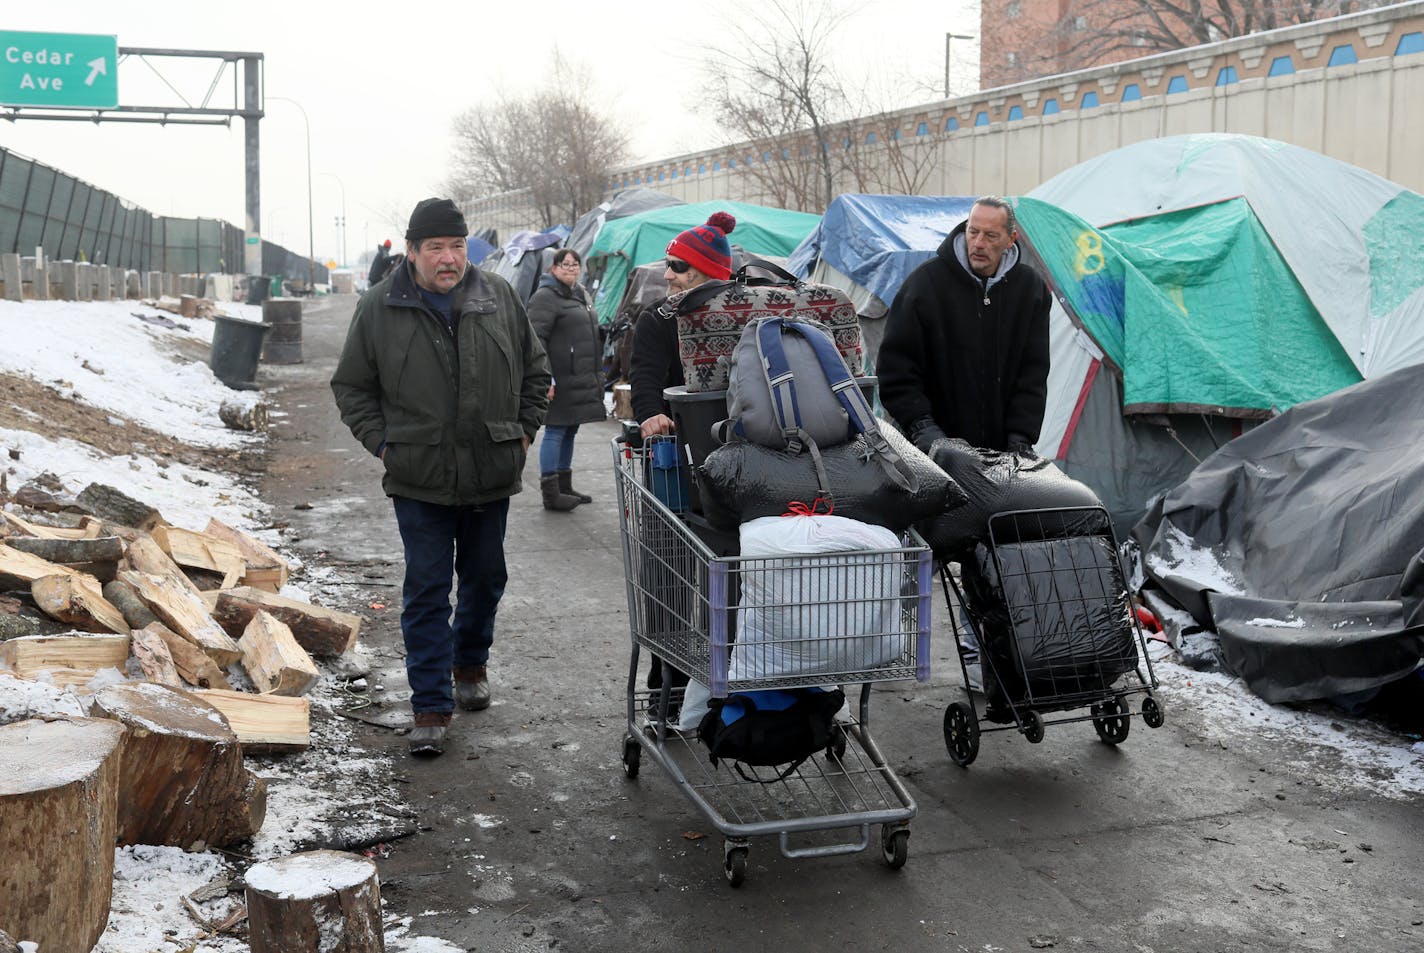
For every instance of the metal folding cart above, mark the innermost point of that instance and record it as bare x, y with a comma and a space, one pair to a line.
861, 617
1053, 628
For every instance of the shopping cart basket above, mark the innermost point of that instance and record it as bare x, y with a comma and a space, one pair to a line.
684, 605
1050, 629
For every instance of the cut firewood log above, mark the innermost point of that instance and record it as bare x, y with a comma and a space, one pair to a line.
116, 506
277, 664
201, 551
184, 613
182, 780
152, 655
62, 550
79, 653
121, 596
19, 569
88, 528
243, 415
320, 899
194, 665
143, 554
263, 722
322, 632
58, 806
78, 600
266, 569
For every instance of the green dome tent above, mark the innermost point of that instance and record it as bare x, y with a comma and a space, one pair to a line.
625, 243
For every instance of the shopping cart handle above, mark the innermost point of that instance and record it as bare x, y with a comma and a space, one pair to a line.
632, 434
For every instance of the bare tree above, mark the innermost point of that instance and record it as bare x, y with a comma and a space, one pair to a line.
1095, 32
551, 143
776, 87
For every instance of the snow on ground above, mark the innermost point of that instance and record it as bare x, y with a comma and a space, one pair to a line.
97, 353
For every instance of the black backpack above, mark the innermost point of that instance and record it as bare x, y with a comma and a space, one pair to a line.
773, 727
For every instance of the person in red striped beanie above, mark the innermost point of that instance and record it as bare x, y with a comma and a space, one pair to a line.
704, 248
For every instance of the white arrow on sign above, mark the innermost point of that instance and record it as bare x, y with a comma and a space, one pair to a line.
97, 67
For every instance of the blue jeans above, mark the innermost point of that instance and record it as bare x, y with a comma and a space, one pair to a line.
556, 449
437, 539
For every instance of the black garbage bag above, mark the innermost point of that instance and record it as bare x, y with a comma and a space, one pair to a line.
997, 481
742, 481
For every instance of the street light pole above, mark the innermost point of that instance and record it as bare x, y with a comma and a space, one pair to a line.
948, 37
311, 229
342, 221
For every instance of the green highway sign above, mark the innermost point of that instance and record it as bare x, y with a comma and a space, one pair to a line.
79, 70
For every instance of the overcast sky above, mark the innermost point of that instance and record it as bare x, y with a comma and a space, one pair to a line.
380, 90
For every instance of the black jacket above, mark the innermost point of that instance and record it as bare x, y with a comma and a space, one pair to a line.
656, 363
565, 321
974, 360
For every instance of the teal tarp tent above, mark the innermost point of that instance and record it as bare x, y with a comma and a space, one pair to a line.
639, 239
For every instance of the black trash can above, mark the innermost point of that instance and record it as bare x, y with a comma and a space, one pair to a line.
257, 288
236, 348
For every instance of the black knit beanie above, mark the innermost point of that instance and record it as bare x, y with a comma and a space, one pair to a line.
435, 218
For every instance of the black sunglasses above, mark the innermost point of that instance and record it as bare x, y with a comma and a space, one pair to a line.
677, 267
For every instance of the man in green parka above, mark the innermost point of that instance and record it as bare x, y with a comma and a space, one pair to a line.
443, 378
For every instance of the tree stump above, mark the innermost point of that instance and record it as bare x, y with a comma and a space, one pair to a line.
58, 795
321, 900
182, 779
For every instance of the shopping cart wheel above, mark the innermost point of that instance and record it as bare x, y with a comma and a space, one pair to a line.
1112, 721
734, 863
632, 756
961, 734
1152, 713
1032, 726
895, 845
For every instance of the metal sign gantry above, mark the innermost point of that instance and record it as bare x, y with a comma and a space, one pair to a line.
67, 77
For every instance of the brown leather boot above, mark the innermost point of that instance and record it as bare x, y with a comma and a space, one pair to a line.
472, 689
566, 486
427, 738
553, 498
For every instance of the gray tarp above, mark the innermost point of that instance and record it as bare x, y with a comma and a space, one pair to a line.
1300, 543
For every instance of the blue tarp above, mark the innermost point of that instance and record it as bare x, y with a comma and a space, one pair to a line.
478, 249
877, 240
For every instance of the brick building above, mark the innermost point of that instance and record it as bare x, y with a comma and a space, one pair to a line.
1021, 40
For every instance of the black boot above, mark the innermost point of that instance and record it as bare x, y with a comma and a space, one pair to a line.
566, 486
553, 499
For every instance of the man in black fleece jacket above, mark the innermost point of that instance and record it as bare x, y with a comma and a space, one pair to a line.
965, 352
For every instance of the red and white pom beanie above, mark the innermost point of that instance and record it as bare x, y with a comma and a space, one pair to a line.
706, 247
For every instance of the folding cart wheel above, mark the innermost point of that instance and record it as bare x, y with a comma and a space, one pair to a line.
1112, 720
1031, 724
895, 845
632, 756
961, 734
734, 861
1152, 713
836, 747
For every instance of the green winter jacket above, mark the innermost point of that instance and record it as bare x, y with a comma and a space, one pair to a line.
450, 409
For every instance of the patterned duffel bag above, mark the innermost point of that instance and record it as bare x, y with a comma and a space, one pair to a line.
711, 316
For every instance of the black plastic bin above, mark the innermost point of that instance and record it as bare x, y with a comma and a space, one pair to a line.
236, 348
258, 287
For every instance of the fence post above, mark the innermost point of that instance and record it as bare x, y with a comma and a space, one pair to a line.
10, 272
40, 289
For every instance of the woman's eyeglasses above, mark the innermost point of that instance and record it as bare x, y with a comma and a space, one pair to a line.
568, 263
677, 267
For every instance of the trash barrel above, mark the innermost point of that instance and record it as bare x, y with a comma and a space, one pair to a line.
235, 350
257, 288
284, 343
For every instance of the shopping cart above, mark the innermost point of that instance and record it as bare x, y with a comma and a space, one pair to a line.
684, 605
1050, 628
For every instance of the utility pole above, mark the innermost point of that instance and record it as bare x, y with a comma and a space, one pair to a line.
311, 228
